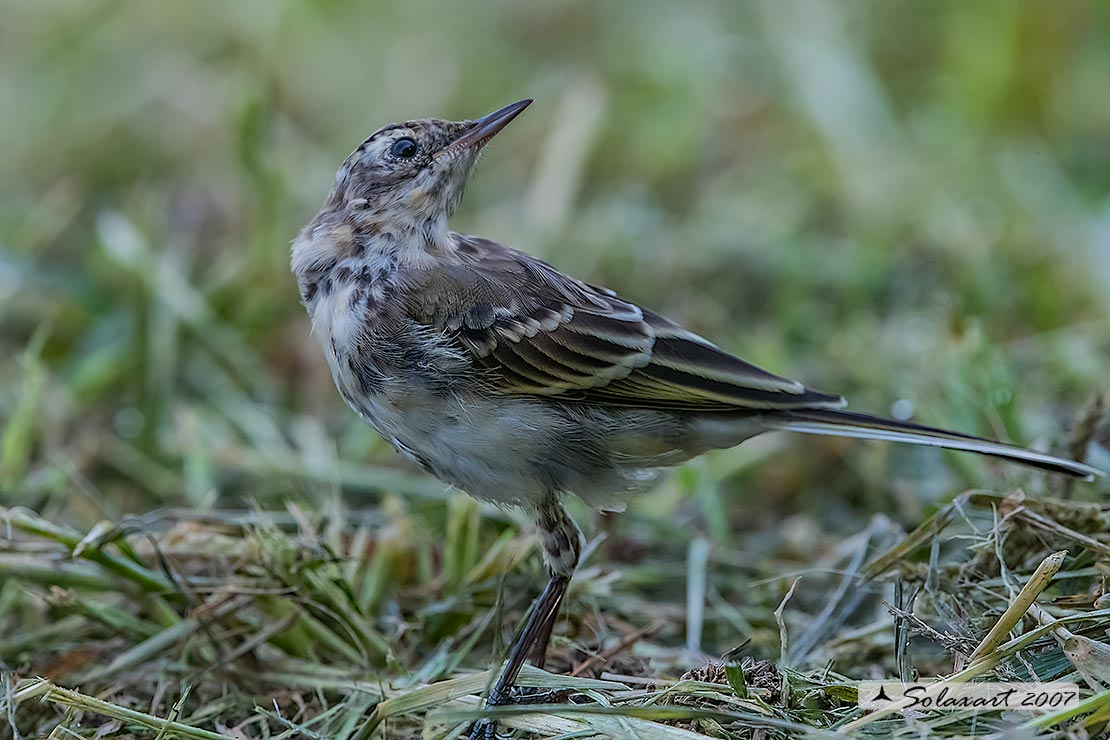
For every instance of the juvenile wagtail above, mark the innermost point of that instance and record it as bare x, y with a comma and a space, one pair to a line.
519, 384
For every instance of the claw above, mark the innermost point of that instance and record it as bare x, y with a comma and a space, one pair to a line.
484, 729
536, 695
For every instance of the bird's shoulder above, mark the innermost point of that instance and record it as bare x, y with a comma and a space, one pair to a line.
482, 274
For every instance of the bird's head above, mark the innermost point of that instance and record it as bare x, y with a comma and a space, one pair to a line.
393, 194
415, 171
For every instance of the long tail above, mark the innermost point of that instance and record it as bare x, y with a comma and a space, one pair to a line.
864, 426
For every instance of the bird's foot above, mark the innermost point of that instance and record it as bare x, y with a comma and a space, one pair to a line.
536, 695
486, 729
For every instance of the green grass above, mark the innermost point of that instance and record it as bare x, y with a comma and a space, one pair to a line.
903, 202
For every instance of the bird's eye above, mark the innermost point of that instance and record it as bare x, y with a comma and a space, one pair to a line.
404, 148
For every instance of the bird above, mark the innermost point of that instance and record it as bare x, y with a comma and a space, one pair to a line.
521, 385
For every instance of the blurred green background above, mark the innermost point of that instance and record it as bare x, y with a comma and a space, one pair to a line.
905, 202
897, 201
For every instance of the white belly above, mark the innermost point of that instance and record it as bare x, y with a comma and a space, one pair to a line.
484, 448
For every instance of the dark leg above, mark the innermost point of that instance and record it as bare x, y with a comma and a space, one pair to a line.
561, 547
538, 656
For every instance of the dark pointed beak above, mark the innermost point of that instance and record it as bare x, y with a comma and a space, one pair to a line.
486, 127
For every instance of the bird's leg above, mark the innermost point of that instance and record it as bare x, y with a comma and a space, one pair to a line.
561, 548
538, 656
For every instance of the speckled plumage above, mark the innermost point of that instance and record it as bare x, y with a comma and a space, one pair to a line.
515, 382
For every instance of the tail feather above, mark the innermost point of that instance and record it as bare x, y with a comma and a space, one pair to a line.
864, 426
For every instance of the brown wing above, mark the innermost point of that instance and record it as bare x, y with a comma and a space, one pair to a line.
536, 331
